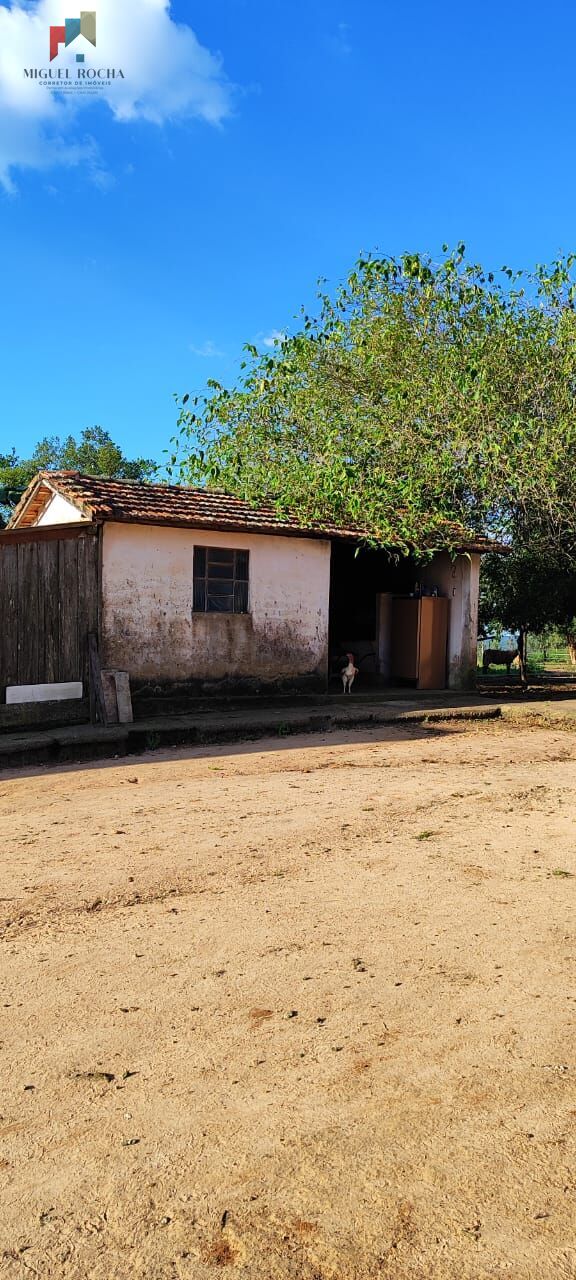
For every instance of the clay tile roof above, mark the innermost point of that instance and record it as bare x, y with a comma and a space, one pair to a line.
159, 504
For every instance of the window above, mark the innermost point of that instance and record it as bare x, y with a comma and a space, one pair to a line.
220, 580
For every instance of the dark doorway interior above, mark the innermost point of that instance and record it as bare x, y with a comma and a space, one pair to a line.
356, 578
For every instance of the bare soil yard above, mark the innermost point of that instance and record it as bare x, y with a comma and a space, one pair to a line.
295, 1009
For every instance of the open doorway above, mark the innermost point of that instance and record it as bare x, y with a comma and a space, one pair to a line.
357, 578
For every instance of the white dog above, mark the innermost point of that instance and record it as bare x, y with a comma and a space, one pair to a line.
349, 674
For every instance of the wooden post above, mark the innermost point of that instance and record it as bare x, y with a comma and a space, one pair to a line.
97, 703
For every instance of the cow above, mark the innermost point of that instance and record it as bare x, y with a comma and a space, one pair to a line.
499, 658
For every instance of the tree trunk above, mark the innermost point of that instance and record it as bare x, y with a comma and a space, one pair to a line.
571, 646
522, 656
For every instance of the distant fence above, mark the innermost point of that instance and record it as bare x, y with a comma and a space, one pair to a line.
542, 656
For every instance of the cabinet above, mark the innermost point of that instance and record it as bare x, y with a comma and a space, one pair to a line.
419, 640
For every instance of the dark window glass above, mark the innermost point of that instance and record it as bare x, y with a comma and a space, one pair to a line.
220, 570
218, 555
220, 580
241, 566
240, 597
219, 604
200, 562
199, 595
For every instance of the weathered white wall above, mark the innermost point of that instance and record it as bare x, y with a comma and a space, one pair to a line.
149, 629
60, 511
459, 579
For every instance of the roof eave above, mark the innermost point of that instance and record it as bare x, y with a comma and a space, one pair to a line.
323, 535
23, 504
223, 526
41, 479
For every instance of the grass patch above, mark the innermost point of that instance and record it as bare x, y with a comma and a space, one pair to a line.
425, 835
564, 875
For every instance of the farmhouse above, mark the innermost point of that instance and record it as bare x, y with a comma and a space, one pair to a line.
195, 586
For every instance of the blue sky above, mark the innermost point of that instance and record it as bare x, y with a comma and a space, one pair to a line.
139, 253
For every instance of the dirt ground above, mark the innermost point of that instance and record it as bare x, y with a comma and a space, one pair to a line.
302, 1008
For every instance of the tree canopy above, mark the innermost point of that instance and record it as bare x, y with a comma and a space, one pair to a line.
526, 591
422, 393
532, 588
94, 453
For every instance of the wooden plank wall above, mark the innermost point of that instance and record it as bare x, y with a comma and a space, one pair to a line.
48, 605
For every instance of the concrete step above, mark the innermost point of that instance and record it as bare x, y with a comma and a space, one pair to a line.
183, 704
89, 742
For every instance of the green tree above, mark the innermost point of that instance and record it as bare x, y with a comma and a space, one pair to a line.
531, 589
15, 474
94, 453
421, 394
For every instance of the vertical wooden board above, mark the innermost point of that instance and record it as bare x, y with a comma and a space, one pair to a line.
49, 611
440, 633
70, 657
4, 624
28, 614
109, 695
8, 617
404, 638
97, 699
433, 642
425, 665
92, 559
23, 611
87, 597
123, 697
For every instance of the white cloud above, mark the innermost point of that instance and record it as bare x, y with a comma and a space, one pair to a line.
339, 42
207, 349
271, 339
168, 74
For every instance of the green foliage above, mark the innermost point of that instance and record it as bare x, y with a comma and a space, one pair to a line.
548, 650
421, 393
95, 453
15, 476
533, 589
527, 591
